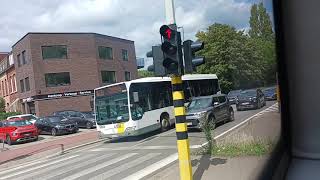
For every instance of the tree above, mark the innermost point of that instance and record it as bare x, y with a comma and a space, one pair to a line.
260, 23
231, 56
2, 105
145, 73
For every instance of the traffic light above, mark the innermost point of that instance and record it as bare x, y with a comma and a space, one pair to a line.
190, 60
157, 56
171, 48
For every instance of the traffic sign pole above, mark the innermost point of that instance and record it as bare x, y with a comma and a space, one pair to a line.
181, 128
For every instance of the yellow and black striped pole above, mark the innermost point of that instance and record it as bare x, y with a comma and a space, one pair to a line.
181, 129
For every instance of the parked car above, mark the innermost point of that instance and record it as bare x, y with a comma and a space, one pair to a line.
84, 119
250, 99
270, 93
209, 110
56, 125
17, 130
30, 117
232, 96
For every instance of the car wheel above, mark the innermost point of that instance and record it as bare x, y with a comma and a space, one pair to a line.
88, 125
8, 140
164, 122
231, 115
36, 139
53, 132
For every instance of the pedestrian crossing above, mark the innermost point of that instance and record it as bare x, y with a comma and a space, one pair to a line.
88, 166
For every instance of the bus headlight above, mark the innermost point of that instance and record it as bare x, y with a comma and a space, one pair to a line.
129, 130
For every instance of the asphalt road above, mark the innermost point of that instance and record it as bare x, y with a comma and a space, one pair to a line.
125, 158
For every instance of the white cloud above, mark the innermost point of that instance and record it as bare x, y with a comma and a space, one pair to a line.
137, 20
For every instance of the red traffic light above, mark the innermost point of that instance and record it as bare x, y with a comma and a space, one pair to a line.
167, 32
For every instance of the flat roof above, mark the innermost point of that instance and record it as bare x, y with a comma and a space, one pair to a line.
97, 34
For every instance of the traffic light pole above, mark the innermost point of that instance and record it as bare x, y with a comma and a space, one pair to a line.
181, 128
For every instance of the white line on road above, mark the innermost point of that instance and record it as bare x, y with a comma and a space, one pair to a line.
134, 148
36, 167
152, 168
125, 166
156, 166
99, 166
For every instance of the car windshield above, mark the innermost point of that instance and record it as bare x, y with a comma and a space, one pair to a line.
200, 103
248, 93
55, 119
234, 93
88, 115
19, 123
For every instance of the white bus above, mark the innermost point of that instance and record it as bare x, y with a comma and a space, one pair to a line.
143, 105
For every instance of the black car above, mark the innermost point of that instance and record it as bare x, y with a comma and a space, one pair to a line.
250, 99
232, 96
56, 125
209, 110
270, 94
84, 119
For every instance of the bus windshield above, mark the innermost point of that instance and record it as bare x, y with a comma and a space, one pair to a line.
112, 105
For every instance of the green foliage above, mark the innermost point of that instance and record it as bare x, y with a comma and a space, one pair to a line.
145, 73
4, 115
240, 61
2, 105
260, 23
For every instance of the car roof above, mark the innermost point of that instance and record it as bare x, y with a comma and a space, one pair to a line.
211, 96
20, 115
15, 119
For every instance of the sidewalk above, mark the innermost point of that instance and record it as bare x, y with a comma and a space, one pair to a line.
47, 147
206, 167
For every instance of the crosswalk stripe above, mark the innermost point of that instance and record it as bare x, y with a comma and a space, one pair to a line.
76, 166
134, 148
152, 168
48, 169
99, 166
125, 166
37, 167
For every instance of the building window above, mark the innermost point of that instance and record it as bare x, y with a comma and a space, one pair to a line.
27, 83
22, 85
6, 86
57, 79
14, 83
54, 52
19, 60
24, 60
124, 55
105, 52
127, 76
108, 76
10, 84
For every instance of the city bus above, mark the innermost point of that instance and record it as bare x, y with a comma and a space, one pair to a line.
143, 105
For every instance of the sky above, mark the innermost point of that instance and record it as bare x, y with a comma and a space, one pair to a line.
137, 20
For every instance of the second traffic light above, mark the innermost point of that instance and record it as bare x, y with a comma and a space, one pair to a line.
171, 48
191, 61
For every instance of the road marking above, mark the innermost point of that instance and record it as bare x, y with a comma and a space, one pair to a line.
134, 148
52, 168
152, 168
76, 166
157, 136
99, 166
158, 165
125, 166
36, 167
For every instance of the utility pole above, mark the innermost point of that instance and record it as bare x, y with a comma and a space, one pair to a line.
171, 47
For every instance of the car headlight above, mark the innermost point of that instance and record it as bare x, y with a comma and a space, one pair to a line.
14, 133
59, 126
202, 113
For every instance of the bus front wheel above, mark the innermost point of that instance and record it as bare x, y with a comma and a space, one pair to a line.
165, 123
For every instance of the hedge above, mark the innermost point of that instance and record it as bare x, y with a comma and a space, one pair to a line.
4, 115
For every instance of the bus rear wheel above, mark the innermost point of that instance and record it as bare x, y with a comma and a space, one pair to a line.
165, 123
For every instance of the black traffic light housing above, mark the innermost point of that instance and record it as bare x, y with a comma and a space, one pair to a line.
191, 61
171, 48
157, 55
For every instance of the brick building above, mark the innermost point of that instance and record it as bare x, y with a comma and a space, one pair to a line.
8, 88
58, 71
